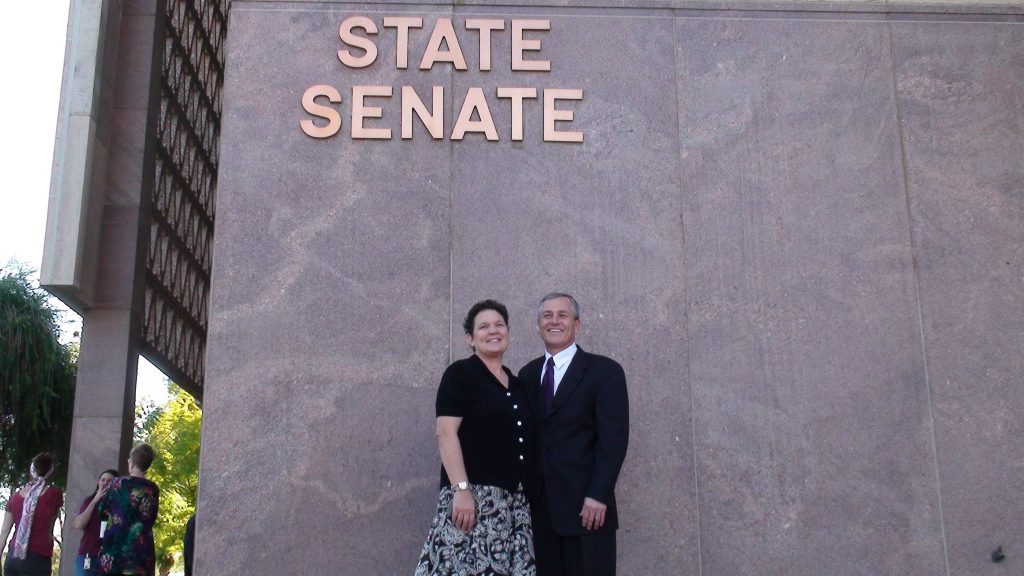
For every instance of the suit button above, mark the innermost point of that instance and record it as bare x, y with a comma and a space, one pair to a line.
520, 456
515, 406
520, 440
508, 394
519, 423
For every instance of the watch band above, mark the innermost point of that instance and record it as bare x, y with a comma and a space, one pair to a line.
460, 486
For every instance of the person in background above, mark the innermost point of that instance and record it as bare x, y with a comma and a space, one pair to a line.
131, 503
188, 543
31, 511
88, 521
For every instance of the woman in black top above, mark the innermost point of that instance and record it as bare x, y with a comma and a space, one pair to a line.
482, 525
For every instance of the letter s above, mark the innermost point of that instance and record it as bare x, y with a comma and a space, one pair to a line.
348, 37
320, 111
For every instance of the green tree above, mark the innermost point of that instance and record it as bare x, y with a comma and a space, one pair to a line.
147, 412
174, 436
37, 379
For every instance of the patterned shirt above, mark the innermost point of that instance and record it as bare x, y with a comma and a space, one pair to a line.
130, 509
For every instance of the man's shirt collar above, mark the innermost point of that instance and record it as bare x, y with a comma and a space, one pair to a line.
563, 357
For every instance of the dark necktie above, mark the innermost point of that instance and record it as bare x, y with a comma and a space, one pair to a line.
547, 385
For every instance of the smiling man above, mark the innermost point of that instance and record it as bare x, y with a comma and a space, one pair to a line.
581, 403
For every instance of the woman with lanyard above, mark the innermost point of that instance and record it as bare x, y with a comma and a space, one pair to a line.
88, 521
31, 511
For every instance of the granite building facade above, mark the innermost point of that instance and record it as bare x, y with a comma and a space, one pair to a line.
798, 226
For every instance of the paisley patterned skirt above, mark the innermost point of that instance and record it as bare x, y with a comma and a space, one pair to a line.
501, 542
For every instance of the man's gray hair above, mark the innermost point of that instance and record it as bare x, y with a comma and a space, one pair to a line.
552, 296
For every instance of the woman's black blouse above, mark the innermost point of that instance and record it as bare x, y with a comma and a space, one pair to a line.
496, 429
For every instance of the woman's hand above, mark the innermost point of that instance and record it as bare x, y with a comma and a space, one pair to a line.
464, 510
100, 493
82, 520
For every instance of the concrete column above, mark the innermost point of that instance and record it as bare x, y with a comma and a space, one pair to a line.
110, 300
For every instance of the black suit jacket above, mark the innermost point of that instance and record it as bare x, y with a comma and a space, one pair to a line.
582, 442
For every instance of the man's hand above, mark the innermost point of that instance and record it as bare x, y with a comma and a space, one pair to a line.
593, 514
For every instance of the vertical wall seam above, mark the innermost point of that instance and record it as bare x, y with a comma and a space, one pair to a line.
451, 212
917, 290
686, 293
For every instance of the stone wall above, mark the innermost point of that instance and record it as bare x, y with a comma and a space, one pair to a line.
799, 228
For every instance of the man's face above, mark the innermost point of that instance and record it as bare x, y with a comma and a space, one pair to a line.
558, 324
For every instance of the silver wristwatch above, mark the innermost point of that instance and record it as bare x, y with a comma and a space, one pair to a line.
460, 486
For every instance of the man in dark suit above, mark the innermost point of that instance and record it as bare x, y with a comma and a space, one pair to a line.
582, 408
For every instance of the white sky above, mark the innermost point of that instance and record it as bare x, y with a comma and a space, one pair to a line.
32, 38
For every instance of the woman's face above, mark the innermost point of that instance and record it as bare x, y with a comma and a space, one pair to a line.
105, 479
490, 334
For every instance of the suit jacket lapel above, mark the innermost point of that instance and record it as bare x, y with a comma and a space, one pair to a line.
532, 384
571, 379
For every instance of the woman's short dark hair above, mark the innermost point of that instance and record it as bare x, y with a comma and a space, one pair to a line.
42, 463
142, 456
479, 307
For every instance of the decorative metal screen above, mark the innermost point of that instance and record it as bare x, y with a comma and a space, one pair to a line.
184, 190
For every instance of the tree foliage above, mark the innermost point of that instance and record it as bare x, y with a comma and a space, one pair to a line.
174, 433
147, 412
37, 379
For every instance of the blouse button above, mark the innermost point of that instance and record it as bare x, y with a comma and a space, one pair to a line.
508, 394
515, 406
520, 440
519, 422
520, 456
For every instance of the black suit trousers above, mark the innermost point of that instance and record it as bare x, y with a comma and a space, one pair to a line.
590, 554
